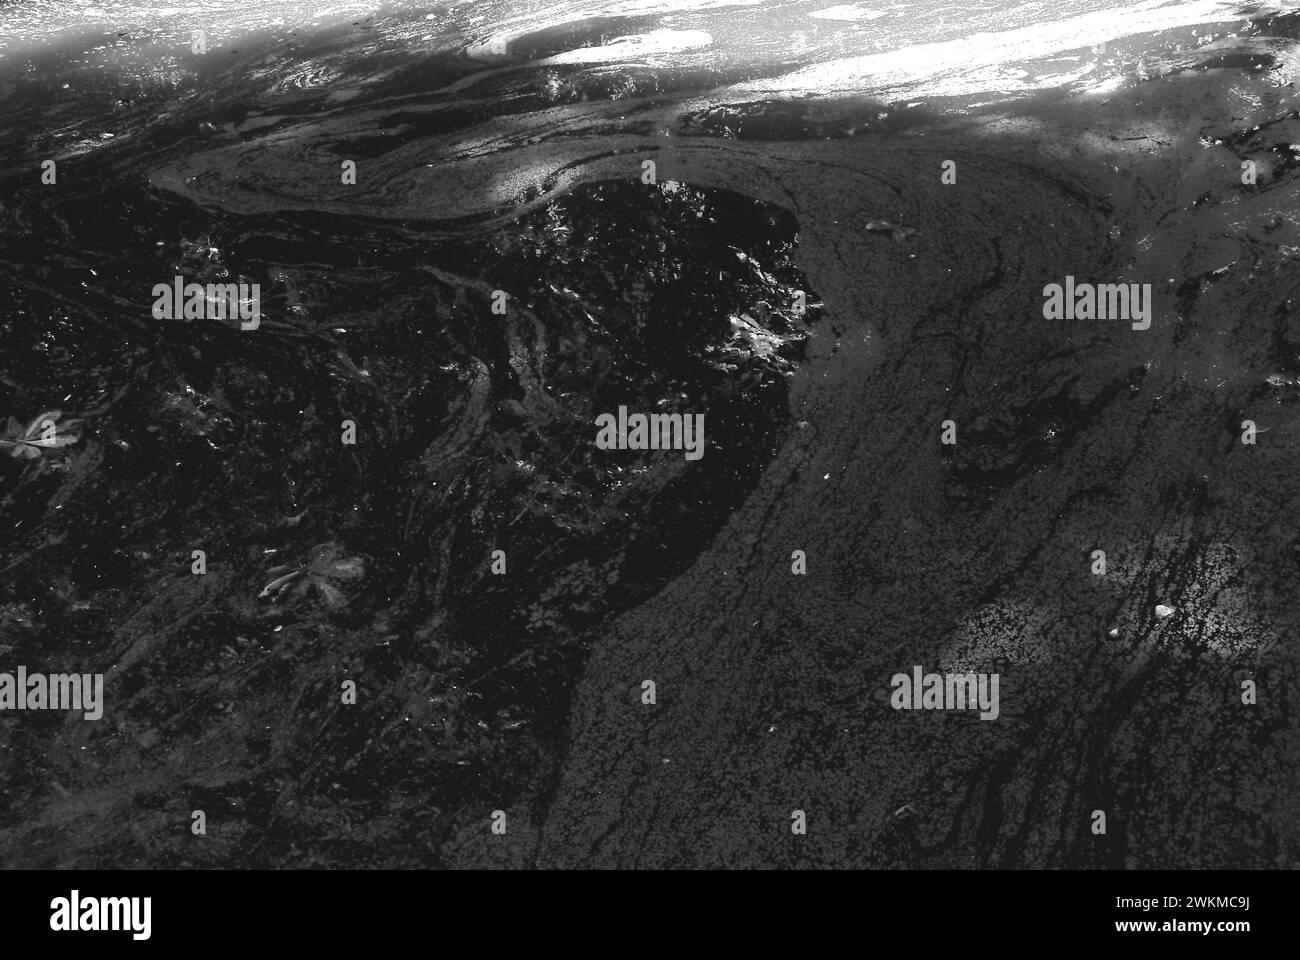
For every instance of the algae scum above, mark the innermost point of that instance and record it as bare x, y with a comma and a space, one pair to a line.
796, 271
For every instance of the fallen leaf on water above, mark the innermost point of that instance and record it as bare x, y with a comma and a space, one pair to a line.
897, 231
27, 443
326, 566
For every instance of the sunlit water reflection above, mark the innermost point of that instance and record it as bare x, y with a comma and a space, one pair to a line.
503, 147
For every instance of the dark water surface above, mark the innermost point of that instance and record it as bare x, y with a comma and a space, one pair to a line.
500, 147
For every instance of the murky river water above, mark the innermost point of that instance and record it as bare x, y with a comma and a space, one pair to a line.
381, 170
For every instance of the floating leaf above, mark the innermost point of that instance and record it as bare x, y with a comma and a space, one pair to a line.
324, 554
278, 586
327, 564
25, 444
333, 597
351, 568
35, 427
897, 231
65, 435
20, 450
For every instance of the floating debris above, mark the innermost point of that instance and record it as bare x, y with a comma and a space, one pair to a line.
44, 432
898, 232
1162, 611
327, 566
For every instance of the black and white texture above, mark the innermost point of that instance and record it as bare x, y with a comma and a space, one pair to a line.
366, 587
